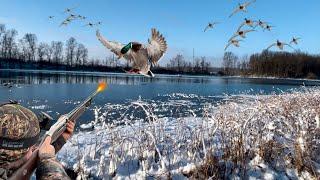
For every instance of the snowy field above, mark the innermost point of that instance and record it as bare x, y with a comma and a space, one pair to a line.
245, 137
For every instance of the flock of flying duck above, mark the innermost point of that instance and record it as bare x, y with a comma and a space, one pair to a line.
241, 33
72, 17
144, 56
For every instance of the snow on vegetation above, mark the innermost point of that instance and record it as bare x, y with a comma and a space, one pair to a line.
257, 137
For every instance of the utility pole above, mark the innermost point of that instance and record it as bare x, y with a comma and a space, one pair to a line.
193, 55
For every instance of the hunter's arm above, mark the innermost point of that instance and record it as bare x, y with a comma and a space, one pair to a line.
50, 168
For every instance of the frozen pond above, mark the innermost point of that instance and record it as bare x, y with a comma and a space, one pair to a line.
171, 96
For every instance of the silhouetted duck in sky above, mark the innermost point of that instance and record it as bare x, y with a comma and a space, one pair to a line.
82, 17
69, 10
93, 24
295, 41
89, 24
241, 33
66, 22
280, 45
261, 24
234, 42
210, 25
242, 7
268, 27
73, 16
247, 22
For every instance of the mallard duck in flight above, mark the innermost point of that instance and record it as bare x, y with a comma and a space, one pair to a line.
93, 24
234, 42
262, 24
268, 27
66, 22
81, 17
89, 24
69, 10
210, 25
242, 7
247, 22
280, 45
242, 33
295, 40
142, 56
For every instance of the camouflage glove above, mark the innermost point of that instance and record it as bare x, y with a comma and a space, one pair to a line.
49, 167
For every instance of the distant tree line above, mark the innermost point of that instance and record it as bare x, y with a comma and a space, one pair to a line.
28, 49
179, 64
274, 64
233, 65
28, 53
284, 64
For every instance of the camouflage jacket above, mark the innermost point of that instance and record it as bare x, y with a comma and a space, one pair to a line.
48, 168
18, 122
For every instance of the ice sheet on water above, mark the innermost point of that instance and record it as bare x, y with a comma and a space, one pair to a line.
40, 107
272, 136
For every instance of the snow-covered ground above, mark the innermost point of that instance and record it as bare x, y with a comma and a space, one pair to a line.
246, 137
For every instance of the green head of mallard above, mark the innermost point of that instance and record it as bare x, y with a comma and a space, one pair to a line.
126, 48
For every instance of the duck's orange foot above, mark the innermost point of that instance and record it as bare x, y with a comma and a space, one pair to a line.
133, 71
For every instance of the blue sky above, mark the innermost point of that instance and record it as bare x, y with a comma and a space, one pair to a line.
181, 21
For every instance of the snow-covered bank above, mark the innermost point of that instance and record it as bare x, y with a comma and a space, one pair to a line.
278, 78
259, 137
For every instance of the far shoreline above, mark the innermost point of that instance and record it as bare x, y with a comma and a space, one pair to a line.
99, 73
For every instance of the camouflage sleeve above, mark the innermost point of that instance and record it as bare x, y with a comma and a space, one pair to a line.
58, 143
50, 168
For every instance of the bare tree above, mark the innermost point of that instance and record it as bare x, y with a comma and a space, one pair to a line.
207, 67
84, 56
108, 61
49, 53
96, 62
71, 45
2, 31
56, 51
180, 62
79, 54
23, 50
43, 51
202, 63
196, 65
229, 62
8, 43
30, 41
115, 61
